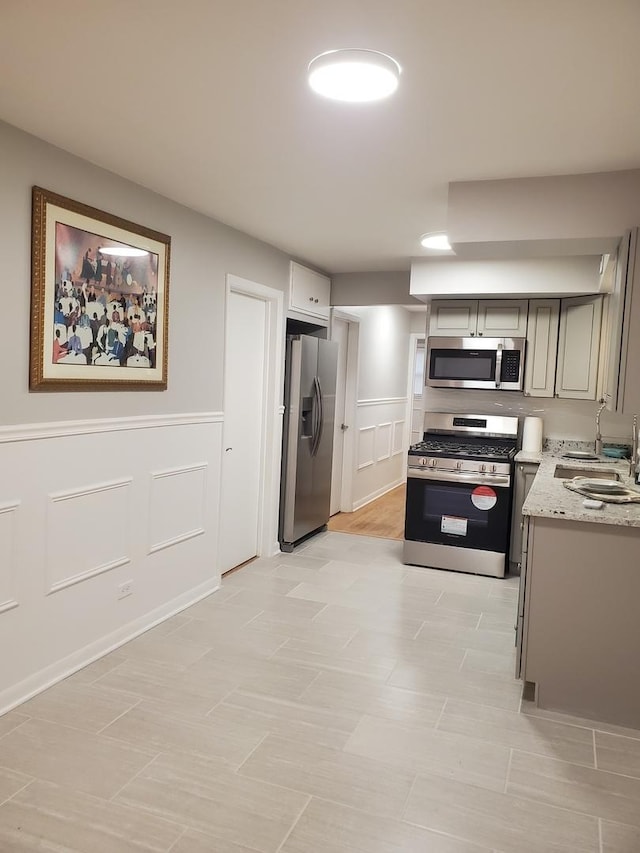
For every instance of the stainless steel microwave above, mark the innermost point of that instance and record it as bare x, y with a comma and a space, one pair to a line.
487, 363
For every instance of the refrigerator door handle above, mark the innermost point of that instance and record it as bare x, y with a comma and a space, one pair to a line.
321, 413
317, 416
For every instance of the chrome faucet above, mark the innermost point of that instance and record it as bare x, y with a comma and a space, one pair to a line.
598, 441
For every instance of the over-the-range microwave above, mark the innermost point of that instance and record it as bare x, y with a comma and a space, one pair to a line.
488, 363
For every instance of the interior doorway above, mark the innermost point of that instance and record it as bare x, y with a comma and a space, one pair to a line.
345, 332
252, 432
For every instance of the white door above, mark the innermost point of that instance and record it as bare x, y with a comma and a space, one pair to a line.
244, 413
340, 334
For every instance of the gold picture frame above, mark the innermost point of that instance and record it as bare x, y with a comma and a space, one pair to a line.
99, 299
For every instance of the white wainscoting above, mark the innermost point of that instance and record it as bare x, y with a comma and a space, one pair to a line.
85, 507
7, 555
178, 500
87, 533
366, 446
381, 430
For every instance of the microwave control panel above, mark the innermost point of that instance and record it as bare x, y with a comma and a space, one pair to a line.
510, 371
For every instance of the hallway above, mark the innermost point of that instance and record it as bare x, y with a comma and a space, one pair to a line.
331, 700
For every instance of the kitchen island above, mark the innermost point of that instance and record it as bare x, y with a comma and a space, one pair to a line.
579, 630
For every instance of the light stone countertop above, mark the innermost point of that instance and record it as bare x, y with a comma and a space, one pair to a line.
550, 499
529, 456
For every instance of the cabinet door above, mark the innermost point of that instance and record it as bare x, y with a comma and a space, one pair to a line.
542, 348
525, 473
310, 292
453, 317
502, 318
578, 347
629, 388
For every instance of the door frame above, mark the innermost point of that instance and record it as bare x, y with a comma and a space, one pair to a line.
273, 409
414, 340
350, 400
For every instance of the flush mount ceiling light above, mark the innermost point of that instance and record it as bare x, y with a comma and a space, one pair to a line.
355, 75
123, 251
436, 240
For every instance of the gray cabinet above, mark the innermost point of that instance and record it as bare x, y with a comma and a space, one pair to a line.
579, 347
542, 348
621, 387
525, 473
491, 318
580, 628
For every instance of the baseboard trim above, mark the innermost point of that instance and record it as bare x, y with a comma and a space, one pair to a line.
50, 675
377, 494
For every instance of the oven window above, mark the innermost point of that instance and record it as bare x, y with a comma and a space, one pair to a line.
461, 365
451, 514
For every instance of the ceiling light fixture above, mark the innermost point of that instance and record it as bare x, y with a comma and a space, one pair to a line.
436, 240
123, 251
354, 74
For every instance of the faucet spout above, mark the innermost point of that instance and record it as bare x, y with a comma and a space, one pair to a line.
598, 441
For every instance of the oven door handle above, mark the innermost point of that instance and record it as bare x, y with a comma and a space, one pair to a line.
502, 481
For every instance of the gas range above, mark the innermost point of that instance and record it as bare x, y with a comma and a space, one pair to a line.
466, 443
459, 486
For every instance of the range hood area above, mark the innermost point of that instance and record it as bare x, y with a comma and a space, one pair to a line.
531, 237
507, 278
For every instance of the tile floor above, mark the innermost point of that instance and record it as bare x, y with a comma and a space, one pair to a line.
331, 700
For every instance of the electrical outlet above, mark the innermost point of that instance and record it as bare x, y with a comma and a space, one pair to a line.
125, 589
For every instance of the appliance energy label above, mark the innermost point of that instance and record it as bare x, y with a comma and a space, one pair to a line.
454, 525
484, 497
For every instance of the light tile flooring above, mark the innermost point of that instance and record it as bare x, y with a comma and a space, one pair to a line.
331, 700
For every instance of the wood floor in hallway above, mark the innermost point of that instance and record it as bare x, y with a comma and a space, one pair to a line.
383, 517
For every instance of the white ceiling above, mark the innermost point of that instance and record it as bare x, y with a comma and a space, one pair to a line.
206, 102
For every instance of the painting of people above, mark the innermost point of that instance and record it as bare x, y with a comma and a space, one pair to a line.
100, 298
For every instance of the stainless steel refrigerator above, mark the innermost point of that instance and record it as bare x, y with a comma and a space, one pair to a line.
310, 401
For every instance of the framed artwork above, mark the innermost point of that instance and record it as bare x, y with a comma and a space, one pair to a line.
99, 299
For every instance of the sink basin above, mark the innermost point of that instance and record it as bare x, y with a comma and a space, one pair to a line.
566, 472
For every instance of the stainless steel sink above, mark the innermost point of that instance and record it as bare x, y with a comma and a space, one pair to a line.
566, 472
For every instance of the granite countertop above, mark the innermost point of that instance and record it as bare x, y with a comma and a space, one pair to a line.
534, 456
550, 499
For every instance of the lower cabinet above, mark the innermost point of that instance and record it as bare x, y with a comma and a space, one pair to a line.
580, 618
524, 476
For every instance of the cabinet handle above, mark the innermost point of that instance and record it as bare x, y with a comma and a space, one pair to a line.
311, 299
315, 300
472, 334
480, 333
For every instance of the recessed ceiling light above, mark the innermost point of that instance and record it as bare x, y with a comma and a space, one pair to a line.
354, 75
123, 251
436, 240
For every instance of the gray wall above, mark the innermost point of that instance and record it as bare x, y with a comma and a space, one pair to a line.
202, 252
371, 288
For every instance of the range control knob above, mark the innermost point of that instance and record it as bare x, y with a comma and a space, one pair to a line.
432, 463
483, 467
493, 468
422, 460
458, 465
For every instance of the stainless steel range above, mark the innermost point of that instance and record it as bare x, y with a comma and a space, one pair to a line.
459, 489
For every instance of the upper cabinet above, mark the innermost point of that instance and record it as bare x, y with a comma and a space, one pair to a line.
309, 292
502, 318
491, 318
542, 348
579, 347
621, 331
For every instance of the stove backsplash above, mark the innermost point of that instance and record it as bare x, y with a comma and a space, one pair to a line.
563, 419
